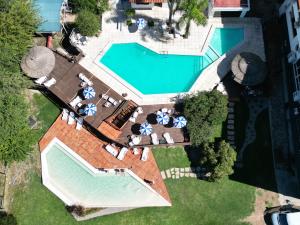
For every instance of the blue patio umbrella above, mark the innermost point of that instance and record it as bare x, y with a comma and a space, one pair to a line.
141, 23
146, 129
89, 92
179, 122
90, 109
163, 118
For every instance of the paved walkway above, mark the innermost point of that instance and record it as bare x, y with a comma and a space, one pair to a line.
256, 106
176, 173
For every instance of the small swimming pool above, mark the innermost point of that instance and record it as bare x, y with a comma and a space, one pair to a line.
73, 179
49, 11
153, 73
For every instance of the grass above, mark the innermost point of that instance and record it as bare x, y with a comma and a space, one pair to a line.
46, 113
167, 158
194, 202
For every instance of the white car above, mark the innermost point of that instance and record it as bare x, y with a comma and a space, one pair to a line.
285, 218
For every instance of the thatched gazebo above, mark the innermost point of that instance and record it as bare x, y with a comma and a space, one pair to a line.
248, 69
39, 62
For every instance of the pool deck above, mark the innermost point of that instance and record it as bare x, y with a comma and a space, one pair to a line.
67, 87
114, 30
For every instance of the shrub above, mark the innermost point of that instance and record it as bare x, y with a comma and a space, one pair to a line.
79, 5
218, 158
87, 23
204, 111
151, 23
130, 13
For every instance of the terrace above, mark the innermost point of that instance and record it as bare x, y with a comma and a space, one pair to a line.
112, 122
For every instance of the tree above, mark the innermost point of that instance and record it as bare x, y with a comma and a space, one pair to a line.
16, 138
87, 23
192, 10
18, 22
7, 219
79, 5
204, 112
172, 4
95, 6
218, 158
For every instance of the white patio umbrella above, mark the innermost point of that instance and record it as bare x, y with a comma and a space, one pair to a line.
179, 122
163, 118
90, 109
146, 129
89, 92
141, 23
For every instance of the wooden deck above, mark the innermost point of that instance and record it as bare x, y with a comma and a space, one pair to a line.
179, 135
67, 87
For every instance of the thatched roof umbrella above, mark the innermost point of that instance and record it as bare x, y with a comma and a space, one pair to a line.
39, 62
248, 69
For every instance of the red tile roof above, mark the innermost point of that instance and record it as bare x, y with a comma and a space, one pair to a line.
92, 150
230, 3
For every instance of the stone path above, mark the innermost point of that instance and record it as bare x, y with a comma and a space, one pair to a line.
176, 173
256, 106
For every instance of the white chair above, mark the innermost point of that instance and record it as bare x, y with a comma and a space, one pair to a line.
41, 80
131, 144
65, 114
230, 121
230, 110
50, 82
105, 96
79, 123
71, 118
231, 127
154, 139
164, 110
111, 150
132, 119
145, 154
139, 110
122, 153
231, 116
75, 101
107, 104
136, 151
168, 138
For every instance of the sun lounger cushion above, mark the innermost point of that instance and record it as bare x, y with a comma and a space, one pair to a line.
111, 150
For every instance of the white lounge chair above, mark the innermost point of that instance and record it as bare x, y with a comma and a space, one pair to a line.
168, 138
71, 118
231, 127
107, 104
50, 82
136, 151
75, 101
230, 110
85, 79
105, 96
111, 150
139, 110
154, 139
131, 144
231, 116
145, 154
122, 153
65, 114
113, 101
132, 119
79, 123
41, 80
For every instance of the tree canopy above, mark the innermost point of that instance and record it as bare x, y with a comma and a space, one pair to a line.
218, 158
18, 22
192, 10
204, 111
87, 23
94, 6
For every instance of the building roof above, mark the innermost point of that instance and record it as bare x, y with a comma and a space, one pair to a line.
91, 149
230, 3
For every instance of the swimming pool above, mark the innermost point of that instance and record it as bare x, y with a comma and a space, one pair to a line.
49, 11
153, 73
75, 181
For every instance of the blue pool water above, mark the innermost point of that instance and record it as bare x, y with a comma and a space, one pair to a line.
153, 73
49, 11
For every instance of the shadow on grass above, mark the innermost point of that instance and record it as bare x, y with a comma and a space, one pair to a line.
258, 167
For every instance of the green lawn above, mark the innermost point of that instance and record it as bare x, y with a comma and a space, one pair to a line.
195, 202
46, 113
